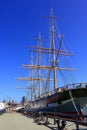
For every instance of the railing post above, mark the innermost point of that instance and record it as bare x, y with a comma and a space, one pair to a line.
58, 124
77, 125
54, 119
46, 119
63, 124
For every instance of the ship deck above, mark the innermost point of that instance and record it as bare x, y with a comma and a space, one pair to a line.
13, 121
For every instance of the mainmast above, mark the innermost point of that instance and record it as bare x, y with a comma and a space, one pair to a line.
53, 45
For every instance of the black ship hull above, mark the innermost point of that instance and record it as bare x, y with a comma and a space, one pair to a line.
71, 101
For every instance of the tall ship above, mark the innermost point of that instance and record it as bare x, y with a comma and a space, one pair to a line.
48, 93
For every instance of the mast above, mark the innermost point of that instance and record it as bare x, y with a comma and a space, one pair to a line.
31, 75
53, 45
39, 63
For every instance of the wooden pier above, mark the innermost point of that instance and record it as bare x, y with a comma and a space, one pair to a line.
17, 121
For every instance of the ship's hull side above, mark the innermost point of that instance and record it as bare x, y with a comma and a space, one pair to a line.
71, 102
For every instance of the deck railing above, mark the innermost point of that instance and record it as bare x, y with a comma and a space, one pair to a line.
66, 87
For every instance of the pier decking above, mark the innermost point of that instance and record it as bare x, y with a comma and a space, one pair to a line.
16, 121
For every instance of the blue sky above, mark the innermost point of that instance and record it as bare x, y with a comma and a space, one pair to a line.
21, 20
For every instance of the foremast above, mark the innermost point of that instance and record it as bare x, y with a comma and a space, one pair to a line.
38, 64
